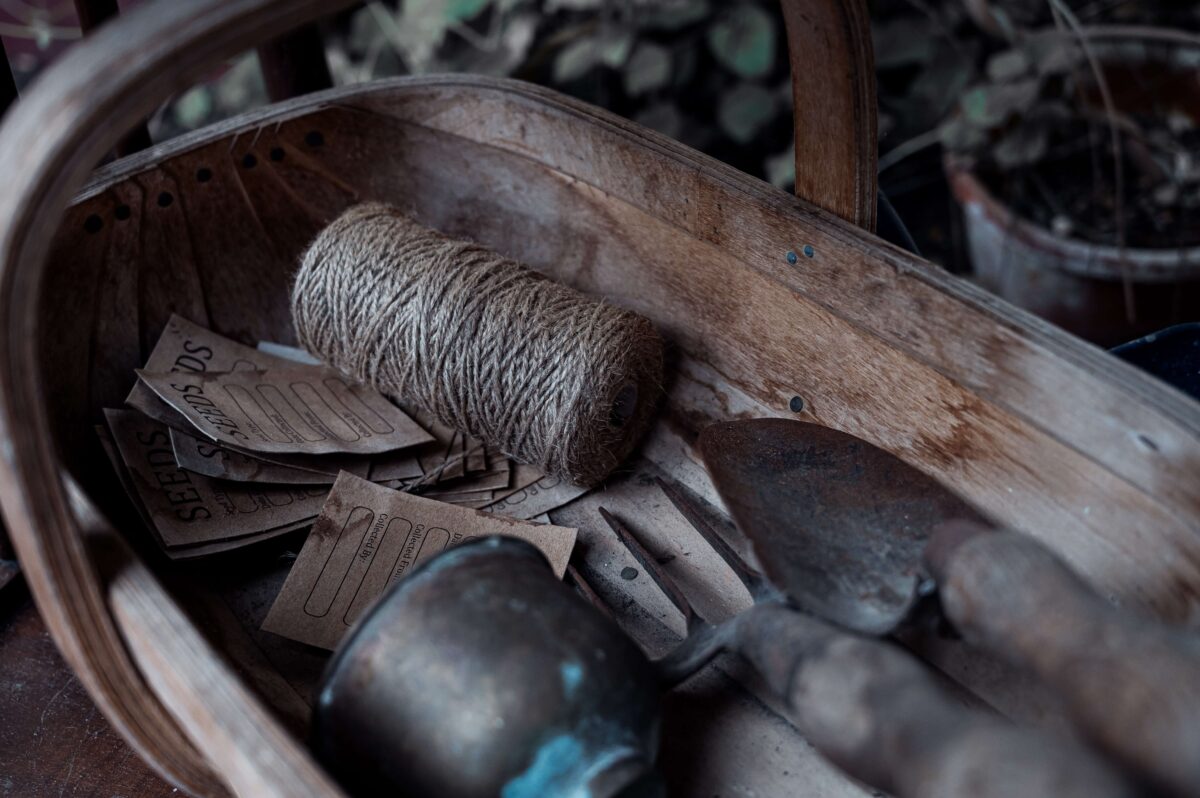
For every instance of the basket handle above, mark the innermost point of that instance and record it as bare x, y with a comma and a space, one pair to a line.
50, 141
835, 115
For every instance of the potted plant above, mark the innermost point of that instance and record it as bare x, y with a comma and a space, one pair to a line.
1076, 162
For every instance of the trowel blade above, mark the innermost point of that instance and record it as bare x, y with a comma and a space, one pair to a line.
837, 524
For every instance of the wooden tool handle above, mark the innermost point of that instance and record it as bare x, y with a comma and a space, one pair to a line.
1129, 683
879, 715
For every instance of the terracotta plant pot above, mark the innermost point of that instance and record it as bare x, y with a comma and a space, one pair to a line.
1079, 285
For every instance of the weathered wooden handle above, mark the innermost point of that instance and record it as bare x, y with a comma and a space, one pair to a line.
1131, 684
877, 713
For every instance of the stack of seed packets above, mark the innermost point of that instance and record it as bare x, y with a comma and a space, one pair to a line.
458, 469
368, 537
222, 445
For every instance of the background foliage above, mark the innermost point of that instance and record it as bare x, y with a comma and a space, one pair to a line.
714, 75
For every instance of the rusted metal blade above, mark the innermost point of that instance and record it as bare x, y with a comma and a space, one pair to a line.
837, 524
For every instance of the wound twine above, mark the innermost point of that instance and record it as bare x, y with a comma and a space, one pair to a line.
549, 376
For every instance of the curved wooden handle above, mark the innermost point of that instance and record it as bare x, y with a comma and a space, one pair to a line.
1129, 683
878, 714
74, 113
835, 112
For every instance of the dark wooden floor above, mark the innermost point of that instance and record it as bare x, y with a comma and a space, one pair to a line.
54, 743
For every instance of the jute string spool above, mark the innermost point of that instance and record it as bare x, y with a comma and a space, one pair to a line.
549, 376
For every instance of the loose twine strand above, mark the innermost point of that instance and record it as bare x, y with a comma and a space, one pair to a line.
487, 346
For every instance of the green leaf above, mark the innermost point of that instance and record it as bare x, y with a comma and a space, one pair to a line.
1053, 52
241, 86
743, 41
974, 105
417, 32
677, 15
575, 60
193, 108
610, 47
781, 168
572, 5
615, 45
1008, 65
517, 38
464, 10
744, 111
510, 50
364, 31
648, 69
991, 105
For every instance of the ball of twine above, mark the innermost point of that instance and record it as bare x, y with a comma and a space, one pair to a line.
549, 376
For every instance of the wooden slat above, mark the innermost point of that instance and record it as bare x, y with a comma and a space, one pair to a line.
168, 275
257, 756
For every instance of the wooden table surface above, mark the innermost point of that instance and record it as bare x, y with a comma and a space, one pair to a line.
54, 743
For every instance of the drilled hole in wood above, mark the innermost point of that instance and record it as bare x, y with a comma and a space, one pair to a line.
797, 404
165, 199
122, 212
249, 161
204, 174
93, 224
277, 153
314, 138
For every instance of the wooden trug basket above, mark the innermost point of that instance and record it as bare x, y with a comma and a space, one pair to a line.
1048, 434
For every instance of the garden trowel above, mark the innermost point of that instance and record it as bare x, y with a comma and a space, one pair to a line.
854, 535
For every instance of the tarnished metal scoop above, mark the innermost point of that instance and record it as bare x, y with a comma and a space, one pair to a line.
481, 674
855, 535
839, 525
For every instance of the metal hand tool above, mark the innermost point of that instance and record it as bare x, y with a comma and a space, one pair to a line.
855, 535
867, 705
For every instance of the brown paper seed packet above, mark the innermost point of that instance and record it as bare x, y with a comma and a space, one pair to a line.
365, 539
